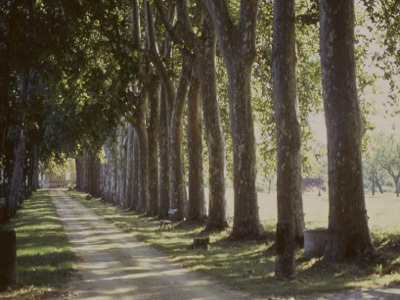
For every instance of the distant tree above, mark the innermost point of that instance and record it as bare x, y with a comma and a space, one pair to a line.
388, 157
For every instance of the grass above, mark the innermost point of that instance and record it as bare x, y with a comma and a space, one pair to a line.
45, 258
249, 265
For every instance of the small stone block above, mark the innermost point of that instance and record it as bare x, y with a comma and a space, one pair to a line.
315, 242
201, 243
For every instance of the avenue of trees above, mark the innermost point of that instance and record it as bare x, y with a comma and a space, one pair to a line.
151, 97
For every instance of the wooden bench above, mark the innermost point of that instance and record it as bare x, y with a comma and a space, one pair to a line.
168, 223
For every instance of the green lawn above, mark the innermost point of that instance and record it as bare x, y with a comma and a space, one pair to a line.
45, 258
249, 265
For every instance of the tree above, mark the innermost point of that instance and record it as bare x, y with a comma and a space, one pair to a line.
203, 47
388, 157
237, 45
288, 135
348, 221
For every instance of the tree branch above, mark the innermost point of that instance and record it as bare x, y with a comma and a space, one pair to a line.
219, 12
183, 27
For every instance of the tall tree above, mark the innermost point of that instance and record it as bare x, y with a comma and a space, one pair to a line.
388, 158
203, 47
288, 134
237, 44
348, 221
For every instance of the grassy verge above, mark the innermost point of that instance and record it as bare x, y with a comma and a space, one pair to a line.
249, 265
45, 258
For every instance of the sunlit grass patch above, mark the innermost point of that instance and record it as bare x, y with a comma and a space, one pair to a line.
45, 258
249, 265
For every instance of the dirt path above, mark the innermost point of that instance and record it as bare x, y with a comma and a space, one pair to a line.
115, 265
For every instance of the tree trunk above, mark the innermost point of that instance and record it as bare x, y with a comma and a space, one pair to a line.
196, 207
164, 193
288, 137
78, 166
237, 44
135, 176
379, 185
396, 185
154, 100
372, 180
35, 175
206, 71
17, 174
246, 218
129, 170
175, 154
141, 131
348, 222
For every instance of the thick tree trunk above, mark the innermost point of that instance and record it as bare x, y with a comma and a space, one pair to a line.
175, 154
164, 191
288, 137
206, 71
246, 218
196, 205
348, 221
154, 100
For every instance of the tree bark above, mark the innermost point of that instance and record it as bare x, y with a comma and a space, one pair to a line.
141, 130
154, 99
17, 174
237, 44
206, 71
379, 185
288, 137
129, 171
35, 175
164, 193
19, 158
204, 48
175, 154
135, 177
196, 205
348, 222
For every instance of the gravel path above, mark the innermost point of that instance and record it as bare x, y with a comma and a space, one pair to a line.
115, 265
